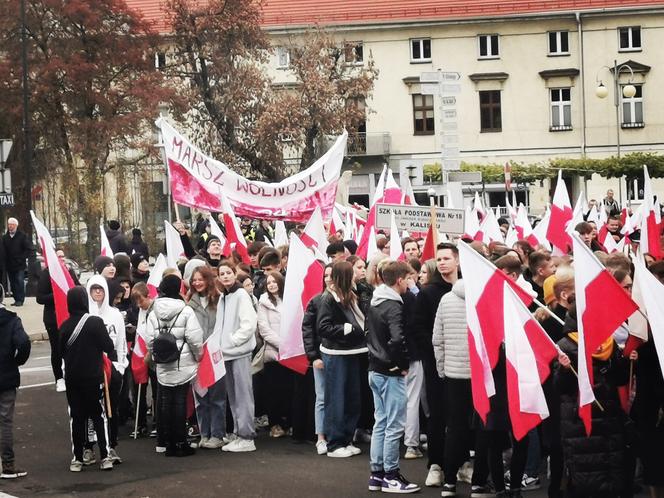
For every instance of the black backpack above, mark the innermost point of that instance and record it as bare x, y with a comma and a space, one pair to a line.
165, 346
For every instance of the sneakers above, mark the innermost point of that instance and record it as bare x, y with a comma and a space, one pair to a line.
321, 447
113, 455
60, 386
449, 490
434, 477
530, 483
202, 443
240, 445
482, 492
75, 466
228, 438
376, 481
160, 449
354, 450
277, 431
213, 443
261, 422
465, 473
89, 457
413, 452
153, 433
10, 471
394, 482
340, 453
106, 463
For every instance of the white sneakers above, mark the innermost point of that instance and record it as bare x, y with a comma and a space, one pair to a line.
346, 452
60, 386
75, 466
240, 445
213, 443
321, 447
435, 476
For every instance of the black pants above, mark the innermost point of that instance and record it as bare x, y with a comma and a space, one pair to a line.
518, 463
172, 409
87, 402
366, 396
56, 357
114, 390
17, 284
279, 390
489, 458
458, 438
435, 391
304, 397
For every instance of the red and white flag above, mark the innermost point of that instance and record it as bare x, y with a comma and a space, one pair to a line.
174, 247
471, 225
139, 368
156, 274
408, 196
396, 251
363, 244
539, 232
561, 215
650, 222
337, 223
511, 211
211, 368
596, 292
235, 240
393, 194
490, 228
315, 235
477, 206
304, 280
105, 244
280, 234
528, 353
216, 231
578, 212
61, 280
651, 291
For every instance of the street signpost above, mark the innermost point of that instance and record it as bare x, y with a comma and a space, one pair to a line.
417, 218
6, 195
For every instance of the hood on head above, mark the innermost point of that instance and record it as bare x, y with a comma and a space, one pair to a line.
166, 308
459, 288
189, 268
385, 293
95, 309
77, 301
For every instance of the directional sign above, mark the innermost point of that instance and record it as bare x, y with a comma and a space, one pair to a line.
465, 176
431, 77
417, 218
429, 88
451, 164
5, 148
450, 76
451, 88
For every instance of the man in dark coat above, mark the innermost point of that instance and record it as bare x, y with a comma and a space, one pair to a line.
17, 250
116, 238
14, 352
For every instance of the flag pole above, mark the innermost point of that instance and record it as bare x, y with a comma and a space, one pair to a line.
177, 211
107, 395
138, 404
434, 222
551, 313
599, 405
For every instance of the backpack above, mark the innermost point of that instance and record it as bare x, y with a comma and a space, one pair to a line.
165, 346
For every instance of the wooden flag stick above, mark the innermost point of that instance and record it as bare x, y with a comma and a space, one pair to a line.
177, 211
138, 404
107, 395
599, 405
434, 224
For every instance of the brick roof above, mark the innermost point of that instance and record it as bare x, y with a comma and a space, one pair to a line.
335, 12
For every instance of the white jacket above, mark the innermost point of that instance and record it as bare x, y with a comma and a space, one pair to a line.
113, 320
269, 326
450, 335
236, 319
165, 312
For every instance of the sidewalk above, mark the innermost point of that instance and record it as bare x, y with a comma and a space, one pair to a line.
31, 316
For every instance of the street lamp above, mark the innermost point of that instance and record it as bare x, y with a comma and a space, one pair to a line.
628, 92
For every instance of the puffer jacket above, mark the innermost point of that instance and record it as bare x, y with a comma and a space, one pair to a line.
165, 312
269, 324
205, 314
385, 339
310, 337
450, 335
338, 327
237, 318
594, 464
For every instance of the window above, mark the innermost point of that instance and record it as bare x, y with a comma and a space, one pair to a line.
160, 60
629, 38
354, 53
558, 43
488, 46
420, 50
561, 109
632, 109
283, 57
490, 115
423, 114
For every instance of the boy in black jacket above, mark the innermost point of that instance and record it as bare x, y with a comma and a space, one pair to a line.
14, 351
388, 367
82, 349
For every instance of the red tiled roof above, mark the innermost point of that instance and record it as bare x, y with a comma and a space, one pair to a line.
334, 12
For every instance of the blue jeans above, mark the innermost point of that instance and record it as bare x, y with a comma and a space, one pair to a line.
319, 407
390, 402
211, 411
342, 399
17, 285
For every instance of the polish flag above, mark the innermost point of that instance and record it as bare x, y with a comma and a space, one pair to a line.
315, 235
304, 280
611, 245
477, 206
490, 228
596, 291
539, 232
139, 368
105, 244
235, 240
523, 227
349, 229
471, 228
61, 280
651, 291
372, 250
156, 274
638, 322
529, 352
216, 231
408, 196
280, 233
512, 237
577, 213
396, 251
561, 215
337, 223
429, 249
650, 223
211, 368
392, 193
593, 216
174, 247
510, 210
363, 244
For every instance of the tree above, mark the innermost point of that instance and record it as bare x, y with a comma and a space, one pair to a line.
94, 91
220, 51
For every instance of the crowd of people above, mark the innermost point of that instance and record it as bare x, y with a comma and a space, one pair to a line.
389, 365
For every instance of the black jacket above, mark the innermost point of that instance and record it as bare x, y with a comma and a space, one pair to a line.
364, 291
310, 337
118, 242
45, 296
83, 359
138, 246
595, 463
17, 250
409, 303
426, 307
331, 320
14, 349
385, 338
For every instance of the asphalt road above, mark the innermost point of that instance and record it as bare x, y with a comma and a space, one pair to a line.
279, 468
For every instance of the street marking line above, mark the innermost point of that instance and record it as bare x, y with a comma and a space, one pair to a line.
37, 385
35, 369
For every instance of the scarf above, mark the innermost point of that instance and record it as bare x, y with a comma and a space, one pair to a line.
603, 353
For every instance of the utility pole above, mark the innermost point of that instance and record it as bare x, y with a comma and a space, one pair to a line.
27, 144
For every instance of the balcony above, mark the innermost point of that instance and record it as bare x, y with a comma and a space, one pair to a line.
363, 144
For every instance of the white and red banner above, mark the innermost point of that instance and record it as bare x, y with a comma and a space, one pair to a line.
105, 244
197, 180
174, 246
561, 216
211, 367
156, 274
304, 280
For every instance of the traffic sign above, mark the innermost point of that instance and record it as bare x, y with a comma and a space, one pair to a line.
448, 101
5, 148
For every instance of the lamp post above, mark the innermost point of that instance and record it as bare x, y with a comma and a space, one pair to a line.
628, 91
27, 145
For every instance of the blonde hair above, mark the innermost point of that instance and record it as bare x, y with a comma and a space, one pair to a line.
372, 269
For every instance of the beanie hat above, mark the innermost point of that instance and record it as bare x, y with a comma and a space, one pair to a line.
189, 268
136, 259
102, 262
114, 225
351, 245
170, 287
211, 239
136, 232
549, 295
